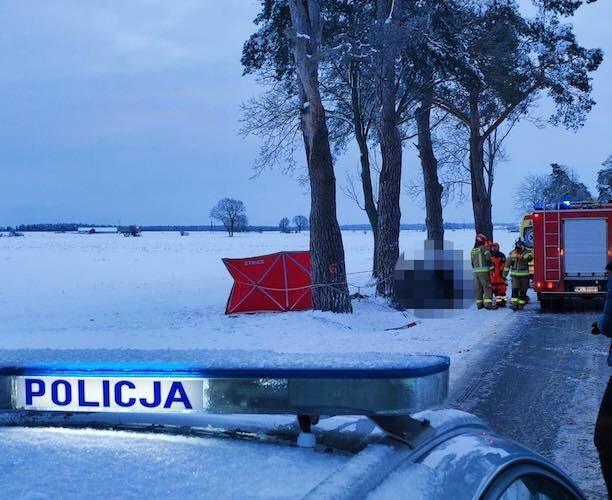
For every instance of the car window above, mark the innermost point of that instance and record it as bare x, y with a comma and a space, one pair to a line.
535, 488
528, 237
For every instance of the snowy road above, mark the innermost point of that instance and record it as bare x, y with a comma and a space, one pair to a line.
541, 384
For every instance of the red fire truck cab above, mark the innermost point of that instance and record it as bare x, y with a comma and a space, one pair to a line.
572, 243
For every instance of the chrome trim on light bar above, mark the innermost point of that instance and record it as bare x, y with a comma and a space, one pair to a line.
351, 391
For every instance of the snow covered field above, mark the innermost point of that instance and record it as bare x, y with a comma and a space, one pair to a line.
168, 293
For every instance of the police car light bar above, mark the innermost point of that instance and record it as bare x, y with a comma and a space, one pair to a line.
421, 382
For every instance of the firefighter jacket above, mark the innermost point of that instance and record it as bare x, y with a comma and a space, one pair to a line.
518, 262
481, 260
605, 322
498, 260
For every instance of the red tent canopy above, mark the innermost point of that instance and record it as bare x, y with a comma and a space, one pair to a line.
276, 282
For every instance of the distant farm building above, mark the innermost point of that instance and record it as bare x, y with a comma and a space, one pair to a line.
97, 230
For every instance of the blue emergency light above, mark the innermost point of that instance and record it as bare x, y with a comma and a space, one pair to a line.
419, 382
386, 392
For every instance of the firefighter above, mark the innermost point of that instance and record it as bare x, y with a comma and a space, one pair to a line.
498, 282
481, 264
603, 427
518, 265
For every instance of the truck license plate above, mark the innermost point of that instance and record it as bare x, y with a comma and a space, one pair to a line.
586, 289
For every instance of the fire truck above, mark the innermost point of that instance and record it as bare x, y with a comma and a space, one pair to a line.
526, 234
572, 243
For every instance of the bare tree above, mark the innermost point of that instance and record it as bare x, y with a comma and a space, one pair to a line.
231, 213
300, 222
283, 225
275, 118
530, 191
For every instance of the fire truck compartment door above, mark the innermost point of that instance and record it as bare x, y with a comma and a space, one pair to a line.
585, 245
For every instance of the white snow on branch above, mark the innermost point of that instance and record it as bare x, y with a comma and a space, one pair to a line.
303, 35
389, 18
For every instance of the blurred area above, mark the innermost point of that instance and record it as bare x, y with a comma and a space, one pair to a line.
435, 281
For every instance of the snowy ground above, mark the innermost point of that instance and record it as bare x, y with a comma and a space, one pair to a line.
163, 291
162, 297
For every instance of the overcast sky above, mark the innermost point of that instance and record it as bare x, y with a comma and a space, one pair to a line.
128, 111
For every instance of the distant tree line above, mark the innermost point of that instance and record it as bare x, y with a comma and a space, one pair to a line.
257, 229
57, 227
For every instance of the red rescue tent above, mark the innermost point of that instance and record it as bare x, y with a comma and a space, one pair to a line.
276, 282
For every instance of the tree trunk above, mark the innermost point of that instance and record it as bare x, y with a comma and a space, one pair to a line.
481, 201
368, 196
330, 291
429, 164
364, 158
389, 188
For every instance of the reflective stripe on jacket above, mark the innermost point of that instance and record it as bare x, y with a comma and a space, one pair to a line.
481, 260
518, 263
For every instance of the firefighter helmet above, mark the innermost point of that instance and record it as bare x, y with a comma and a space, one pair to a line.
481, 238
495, 245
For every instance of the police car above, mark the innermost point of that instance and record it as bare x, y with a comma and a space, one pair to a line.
361, 431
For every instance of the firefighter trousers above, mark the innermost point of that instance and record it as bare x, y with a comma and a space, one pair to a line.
603, 436
499, 289
520, 285
482, 288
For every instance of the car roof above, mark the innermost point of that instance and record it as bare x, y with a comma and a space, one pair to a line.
460, 460
94, 463
353, 458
